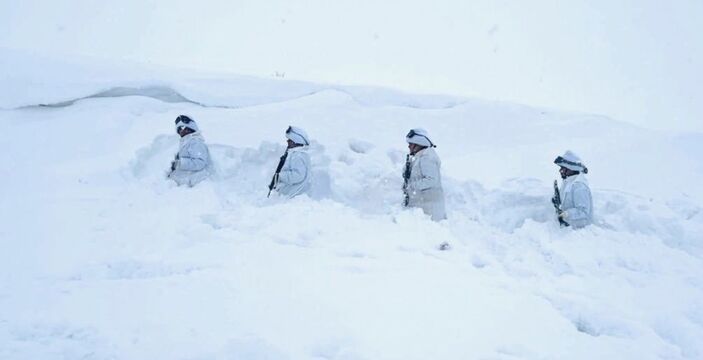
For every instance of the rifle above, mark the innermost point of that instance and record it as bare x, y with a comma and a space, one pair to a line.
274, 180
406, 179
556, 201
173, 165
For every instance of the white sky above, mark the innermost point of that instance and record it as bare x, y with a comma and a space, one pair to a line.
634, 60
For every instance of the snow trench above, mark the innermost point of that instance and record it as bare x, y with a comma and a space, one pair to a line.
364, 178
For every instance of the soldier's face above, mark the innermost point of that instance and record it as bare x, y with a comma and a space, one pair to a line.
564, 172
413, 148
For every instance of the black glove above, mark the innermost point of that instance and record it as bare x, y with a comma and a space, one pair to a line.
173, 165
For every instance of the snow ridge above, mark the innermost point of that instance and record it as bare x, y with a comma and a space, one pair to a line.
167, 94
160, 93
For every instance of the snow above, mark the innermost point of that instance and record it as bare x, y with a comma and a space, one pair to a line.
636, 60
103, 258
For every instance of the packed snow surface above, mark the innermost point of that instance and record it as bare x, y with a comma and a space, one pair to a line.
103, 258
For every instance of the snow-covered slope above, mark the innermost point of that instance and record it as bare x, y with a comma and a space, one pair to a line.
102, 258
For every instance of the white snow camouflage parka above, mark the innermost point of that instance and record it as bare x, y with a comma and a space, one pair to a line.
294, 178
193, 161
576, 201
424, 187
